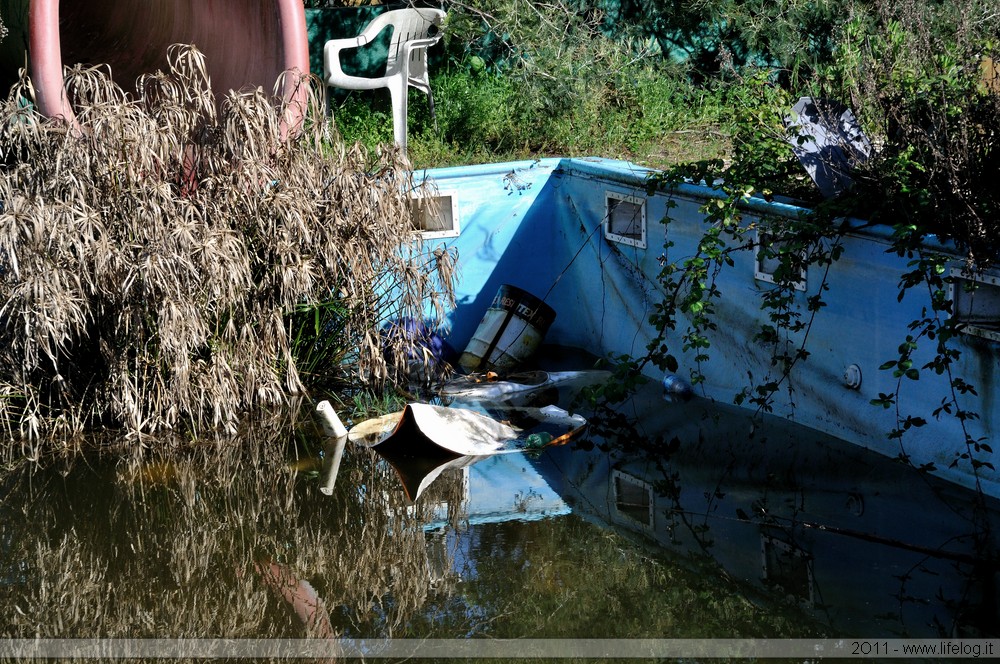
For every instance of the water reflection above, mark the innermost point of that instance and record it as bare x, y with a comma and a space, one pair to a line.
862, 544
677, 520
221, 540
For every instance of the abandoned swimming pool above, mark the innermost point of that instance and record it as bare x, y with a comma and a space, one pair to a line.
665, 519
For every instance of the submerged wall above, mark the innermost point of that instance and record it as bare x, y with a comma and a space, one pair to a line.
246, 44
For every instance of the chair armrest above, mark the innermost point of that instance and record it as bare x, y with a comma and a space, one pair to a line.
407, 48
334, 75
333, 72
414, 44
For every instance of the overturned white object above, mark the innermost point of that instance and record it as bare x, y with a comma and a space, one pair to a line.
329, 420
475, 388
423, 429
422, 441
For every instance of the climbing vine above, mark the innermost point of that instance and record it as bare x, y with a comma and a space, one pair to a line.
684, 321
790, 246
939, 326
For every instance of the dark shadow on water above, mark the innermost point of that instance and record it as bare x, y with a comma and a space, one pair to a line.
859, 542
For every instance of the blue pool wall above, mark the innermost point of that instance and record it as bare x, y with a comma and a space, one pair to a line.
538, 225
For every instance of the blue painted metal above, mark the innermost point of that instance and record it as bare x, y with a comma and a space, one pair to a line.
539, 226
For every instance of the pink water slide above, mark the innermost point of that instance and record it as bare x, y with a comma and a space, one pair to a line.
245, 42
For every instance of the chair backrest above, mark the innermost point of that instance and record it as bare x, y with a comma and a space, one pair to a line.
407, 25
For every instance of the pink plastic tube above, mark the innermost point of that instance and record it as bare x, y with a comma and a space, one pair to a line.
245, 42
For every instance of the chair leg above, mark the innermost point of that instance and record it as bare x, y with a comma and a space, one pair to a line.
398, 93
430, 103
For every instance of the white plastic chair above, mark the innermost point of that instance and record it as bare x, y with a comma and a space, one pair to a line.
406, 64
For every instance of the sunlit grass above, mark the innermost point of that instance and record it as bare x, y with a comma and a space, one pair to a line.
649, 115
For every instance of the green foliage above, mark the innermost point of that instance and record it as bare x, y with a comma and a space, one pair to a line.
477, 111
928, 272
319, 344
522, 79
925, 78
688, 312
648, 115
794, 37
925, 75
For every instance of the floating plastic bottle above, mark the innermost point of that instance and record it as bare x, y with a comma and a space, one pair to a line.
676, 388
537, 441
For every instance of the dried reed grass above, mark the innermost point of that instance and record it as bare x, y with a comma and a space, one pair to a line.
150, 258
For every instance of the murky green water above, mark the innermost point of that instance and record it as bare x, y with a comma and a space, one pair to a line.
741, 530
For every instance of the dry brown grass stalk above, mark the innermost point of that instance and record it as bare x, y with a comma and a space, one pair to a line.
150, 259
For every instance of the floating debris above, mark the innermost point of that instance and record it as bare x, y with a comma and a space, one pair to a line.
424, 440
489, 387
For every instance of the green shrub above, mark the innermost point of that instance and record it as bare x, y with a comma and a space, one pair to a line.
923, 76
